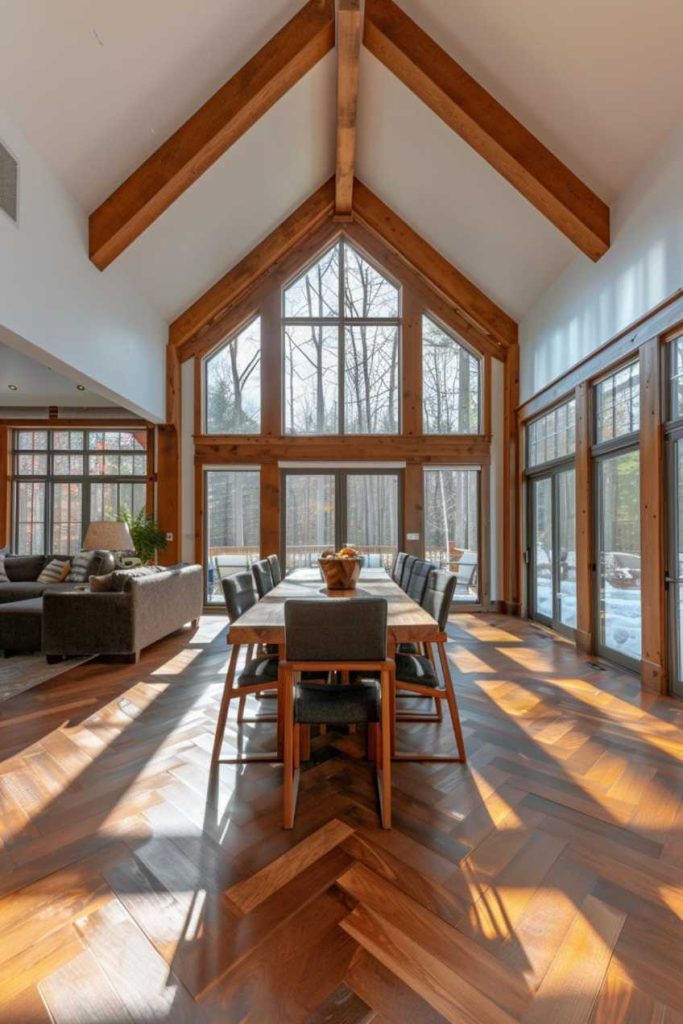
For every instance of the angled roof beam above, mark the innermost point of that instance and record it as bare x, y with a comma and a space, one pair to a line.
486, 125
472, 303
233, 285
211, 130
349, 32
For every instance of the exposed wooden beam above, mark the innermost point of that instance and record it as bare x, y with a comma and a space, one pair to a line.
233, 285
349, 32
246, 449
487, 126
237, 105
435, 268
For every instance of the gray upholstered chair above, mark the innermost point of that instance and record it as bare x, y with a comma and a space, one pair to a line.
407, 570
417, 583
397, 567
263, 577
275, 570
257, 674
417, 674
342, 636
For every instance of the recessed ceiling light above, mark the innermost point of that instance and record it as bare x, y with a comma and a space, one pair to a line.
12, 387
80, 387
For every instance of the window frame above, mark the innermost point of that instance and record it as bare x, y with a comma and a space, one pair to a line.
427, 314
341, 321
560, 460
204, 365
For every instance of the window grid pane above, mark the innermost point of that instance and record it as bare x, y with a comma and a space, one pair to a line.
618, 404
451, 525
552, 436
677, 378
233, 384
450, 383
232, 525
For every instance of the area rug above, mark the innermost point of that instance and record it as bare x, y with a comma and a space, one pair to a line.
23, 671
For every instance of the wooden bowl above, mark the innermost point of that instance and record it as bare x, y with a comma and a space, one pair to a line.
340, 573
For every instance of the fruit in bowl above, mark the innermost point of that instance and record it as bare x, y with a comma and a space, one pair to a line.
340, 569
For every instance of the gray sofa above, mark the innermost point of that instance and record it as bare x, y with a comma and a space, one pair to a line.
23, 572
121, 623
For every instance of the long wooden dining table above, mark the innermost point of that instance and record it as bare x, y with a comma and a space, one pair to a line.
264, 623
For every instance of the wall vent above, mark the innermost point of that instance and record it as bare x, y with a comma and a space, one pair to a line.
9, 182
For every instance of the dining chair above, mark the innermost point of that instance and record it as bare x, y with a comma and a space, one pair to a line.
275, 570
407, 570
397, 567
417, 583
345, 637
263, 578
417, 674
257, 675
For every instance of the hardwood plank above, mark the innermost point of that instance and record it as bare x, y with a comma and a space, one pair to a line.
78, 993
349, 30
210, 131
472, 112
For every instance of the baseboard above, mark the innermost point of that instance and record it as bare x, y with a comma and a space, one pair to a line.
654, 677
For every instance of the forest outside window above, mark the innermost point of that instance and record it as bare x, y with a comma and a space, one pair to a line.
232, 384
451, 383
341, 334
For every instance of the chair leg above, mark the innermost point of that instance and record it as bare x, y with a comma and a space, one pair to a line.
297, 745
290, 773
240, 708
372, 741
387, 683
225, 704
452, 704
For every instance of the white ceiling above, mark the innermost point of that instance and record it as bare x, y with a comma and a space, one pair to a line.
96, 86
38, 385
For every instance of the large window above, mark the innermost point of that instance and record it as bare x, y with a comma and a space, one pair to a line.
232, 535
617, 479
65, 479
552, 436
341, 348
232, 384
327, 508
450, 383
451, 525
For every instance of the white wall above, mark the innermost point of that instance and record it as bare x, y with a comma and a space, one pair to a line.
56, 306
589, 303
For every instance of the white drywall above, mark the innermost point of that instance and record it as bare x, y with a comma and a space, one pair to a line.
56, 307
591, 302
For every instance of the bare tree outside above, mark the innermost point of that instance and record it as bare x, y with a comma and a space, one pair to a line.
450, 383
233, 384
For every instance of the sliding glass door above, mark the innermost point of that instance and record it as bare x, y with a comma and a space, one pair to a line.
552, 546
232, 534
674, 581
327, 508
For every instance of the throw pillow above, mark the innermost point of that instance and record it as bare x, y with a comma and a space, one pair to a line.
4, 578
101, 584
56, 572
81, 565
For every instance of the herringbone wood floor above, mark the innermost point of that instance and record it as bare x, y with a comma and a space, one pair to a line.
540, 884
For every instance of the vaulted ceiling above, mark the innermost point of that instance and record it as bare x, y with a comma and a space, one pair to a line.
97, 87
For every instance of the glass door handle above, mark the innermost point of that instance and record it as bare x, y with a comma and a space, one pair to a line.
668, 580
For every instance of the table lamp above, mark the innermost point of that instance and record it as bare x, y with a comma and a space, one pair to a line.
109, 535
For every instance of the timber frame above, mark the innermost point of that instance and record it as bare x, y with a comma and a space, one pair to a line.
646, 340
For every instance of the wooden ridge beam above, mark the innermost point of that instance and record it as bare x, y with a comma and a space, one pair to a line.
349, 32
440, 82
234, 285
474, 305
211, 130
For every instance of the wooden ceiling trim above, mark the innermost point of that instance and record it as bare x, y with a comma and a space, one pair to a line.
211, 130
440, 82
473, 304
232, 286
349, 32
218, 450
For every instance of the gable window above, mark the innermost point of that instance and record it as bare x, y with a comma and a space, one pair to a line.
451, 387
233, 384
341, 323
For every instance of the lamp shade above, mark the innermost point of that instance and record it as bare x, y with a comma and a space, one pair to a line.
108, 535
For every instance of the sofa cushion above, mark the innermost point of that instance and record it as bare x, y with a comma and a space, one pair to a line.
4, 578
81, 566
122, 579
55, 572
21, 625
23, 590
101, 584
24, 568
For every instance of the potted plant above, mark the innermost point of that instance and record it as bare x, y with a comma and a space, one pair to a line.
148, 537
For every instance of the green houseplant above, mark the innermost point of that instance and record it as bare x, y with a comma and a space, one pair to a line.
148, 537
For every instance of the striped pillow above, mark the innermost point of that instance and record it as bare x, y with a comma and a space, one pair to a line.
81, 567
4, 578
56, 572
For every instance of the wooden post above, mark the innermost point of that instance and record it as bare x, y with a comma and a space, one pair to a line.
270, 510
585, 594
168, 463
512, 540
654, 675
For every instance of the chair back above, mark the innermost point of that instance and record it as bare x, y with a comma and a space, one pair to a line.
262, 577
238, 591
417, 584
407, 569
438, 595
397, 567
275, 571
336, 630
